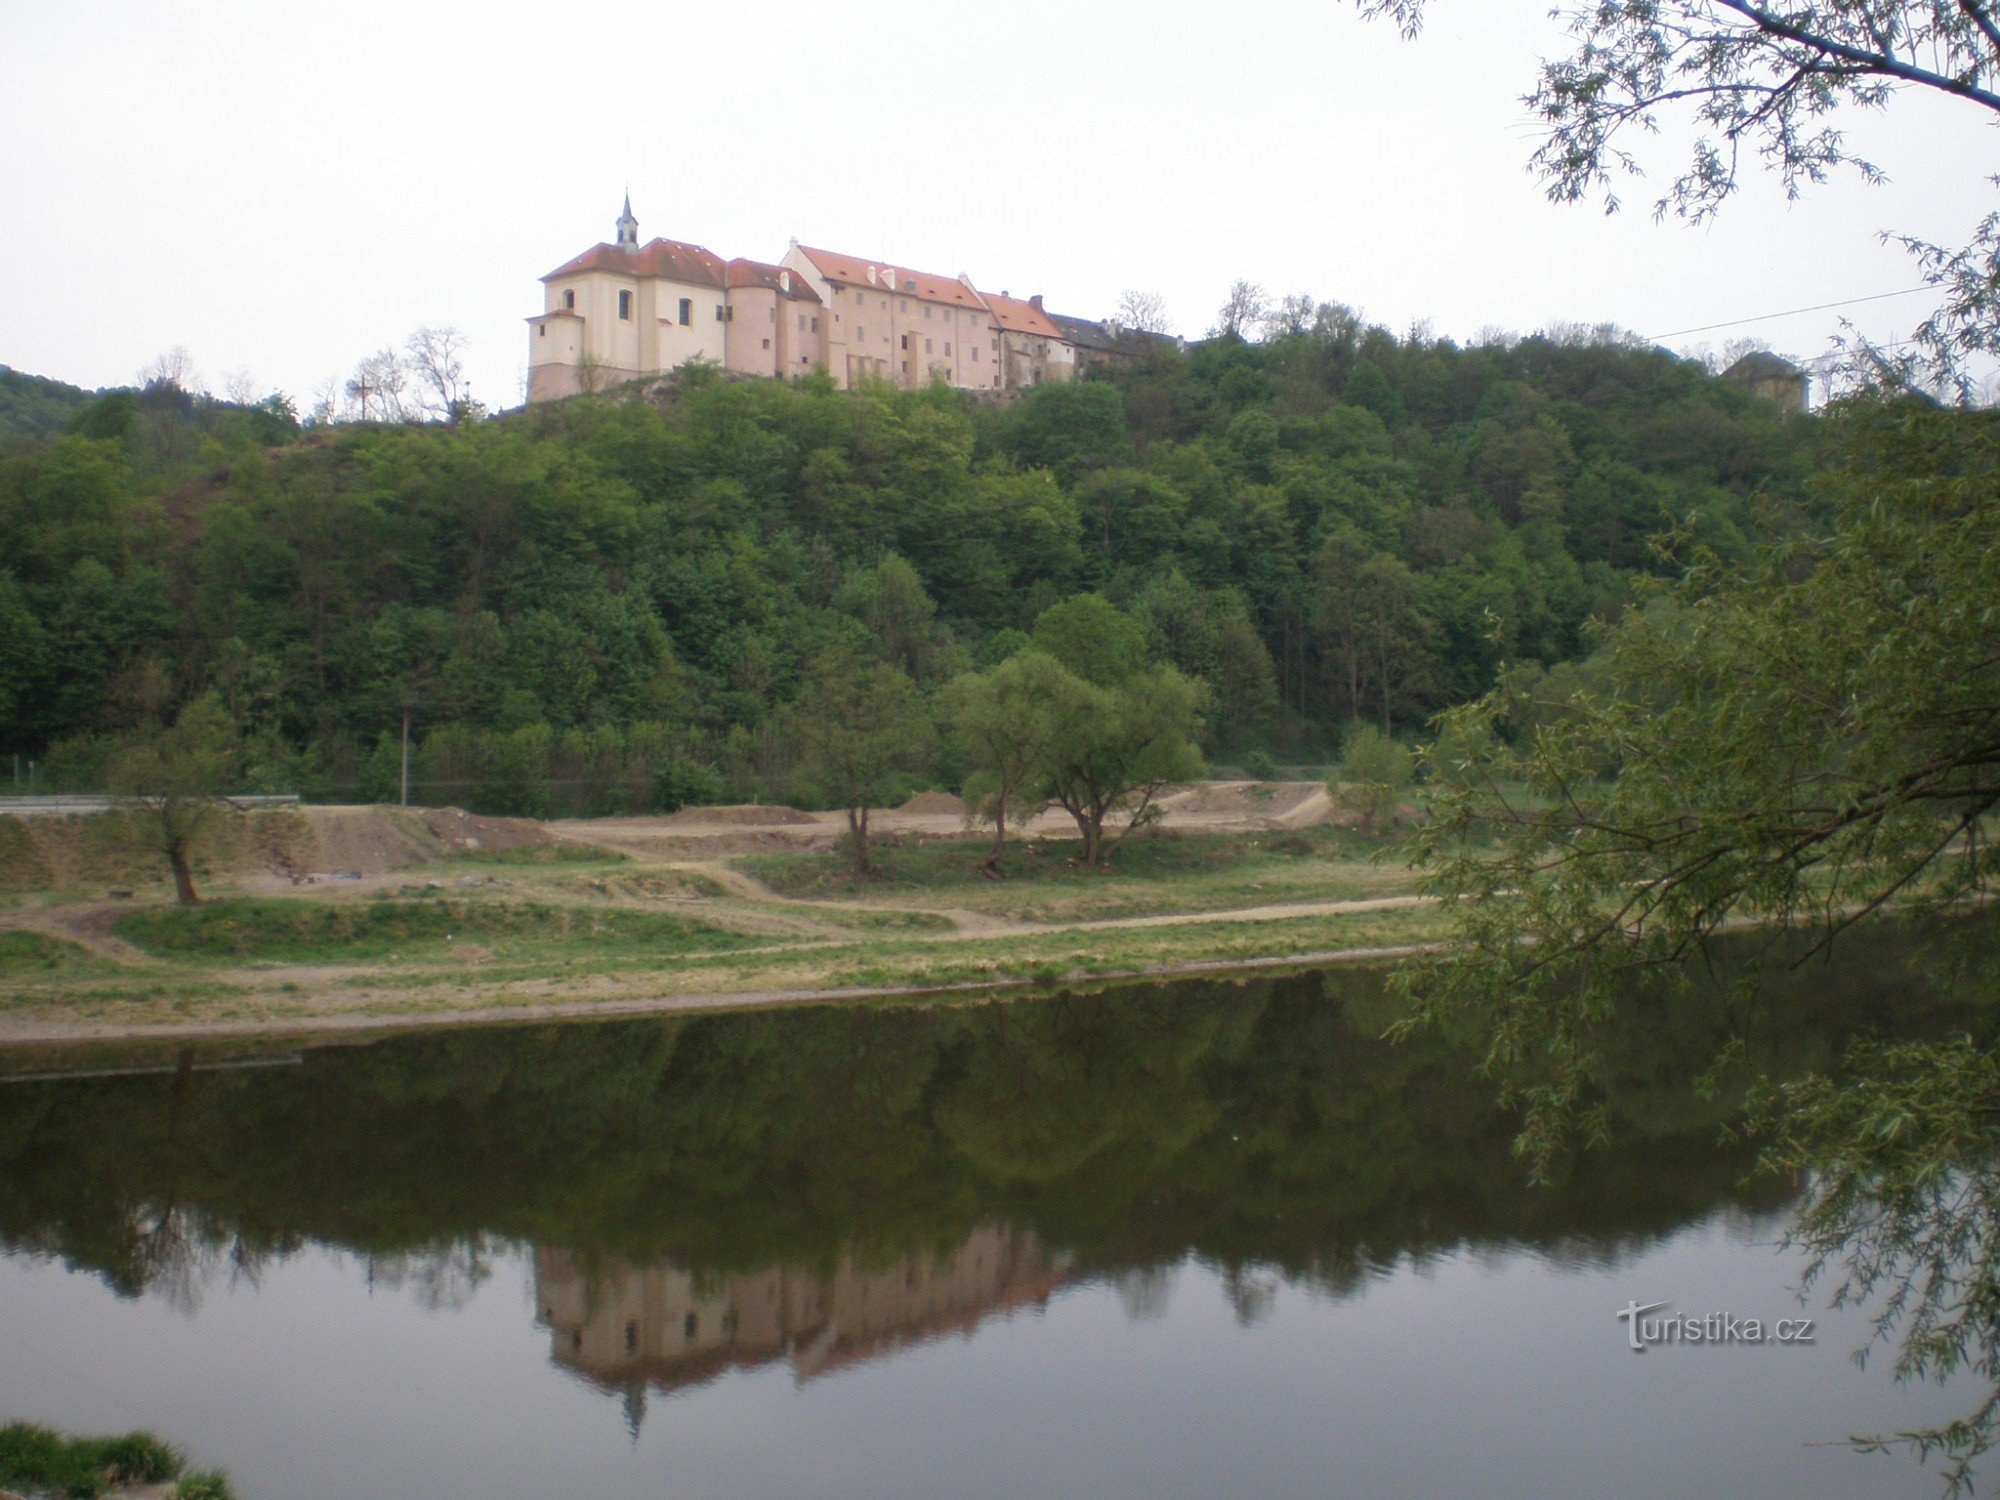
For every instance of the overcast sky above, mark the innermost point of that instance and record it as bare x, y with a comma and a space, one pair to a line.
282, 188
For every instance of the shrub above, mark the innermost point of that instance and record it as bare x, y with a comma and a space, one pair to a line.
1373, 770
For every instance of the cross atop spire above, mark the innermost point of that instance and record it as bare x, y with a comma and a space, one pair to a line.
628, 227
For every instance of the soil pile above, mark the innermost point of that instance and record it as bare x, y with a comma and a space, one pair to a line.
934, 805
113, 848
1279, 802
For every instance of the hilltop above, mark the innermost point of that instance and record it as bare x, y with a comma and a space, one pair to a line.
608, 604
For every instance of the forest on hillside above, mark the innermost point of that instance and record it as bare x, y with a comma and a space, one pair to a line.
615, 602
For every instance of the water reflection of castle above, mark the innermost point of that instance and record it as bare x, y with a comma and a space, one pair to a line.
625, 1327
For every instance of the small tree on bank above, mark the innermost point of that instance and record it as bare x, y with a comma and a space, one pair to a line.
1374, 771
176, 778
1005, 717
858, 722
1116, 749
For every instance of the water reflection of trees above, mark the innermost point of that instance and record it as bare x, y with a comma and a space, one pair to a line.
1262, 1127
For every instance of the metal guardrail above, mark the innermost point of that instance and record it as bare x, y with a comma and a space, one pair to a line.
88, 802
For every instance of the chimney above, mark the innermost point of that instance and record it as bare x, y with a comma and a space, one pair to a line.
1036, 302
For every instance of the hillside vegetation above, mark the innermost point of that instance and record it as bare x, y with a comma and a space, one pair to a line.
612, 603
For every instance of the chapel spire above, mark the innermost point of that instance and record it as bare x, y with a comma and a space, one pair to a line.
628, 227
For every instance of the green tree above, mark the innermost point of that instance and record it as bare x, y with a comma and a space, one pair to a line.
857, 723
177, 776
1374, 770
1007, 719
1115, 749
1812, 738
1093, 638
1797, 746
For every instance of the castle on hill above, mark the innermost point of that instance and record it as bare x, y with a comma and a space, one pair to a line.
625, 311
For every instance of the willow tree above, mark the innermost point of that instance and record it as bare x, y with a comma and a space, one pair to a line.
1765, 85
1798, 744
175, 777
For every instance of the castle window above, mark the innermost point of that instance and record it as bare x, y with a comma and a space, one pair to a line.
815, 327
625, 306
690, 1325
947, 348
802, 322
771, 313
687, 310
860, 333
569, 300
906, 341
767, 343
721, 315
927, 346
543, 330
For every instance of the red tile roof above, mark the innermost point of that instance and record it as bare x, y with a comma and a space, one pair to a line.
772, 278
1016, 316
669, 259
849, 270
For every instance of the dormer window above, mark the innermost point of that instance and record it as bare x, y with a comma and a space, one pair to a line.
625, 306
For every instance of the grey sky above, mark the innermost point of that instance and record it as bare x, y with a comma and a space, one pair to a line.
283, 188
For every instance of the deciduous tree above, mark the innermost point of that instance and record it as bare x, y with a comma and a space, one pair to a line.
857, 723
176, 778
1115, 749
1007, 719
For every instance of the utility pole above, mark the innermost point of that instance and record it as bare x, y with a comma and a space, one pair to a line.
406, 759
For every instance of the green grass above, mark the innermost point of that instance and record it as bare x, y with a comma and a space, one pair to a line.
540, 854
305, 931
32, 953
1155, 855
40, 1460
885, 921
21, 866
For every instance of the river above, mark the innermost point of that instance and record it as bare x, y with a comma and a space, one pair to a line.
1198, 1239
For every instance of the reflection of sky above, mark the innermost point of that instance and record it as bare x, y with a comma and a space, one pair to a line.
1481, 1373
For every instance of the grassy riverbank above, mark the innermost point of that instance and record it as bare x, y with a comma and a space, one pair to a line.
44, 1462
519, 935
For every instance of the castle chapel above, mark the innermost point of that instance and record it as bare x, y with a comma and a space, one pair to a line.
624, 311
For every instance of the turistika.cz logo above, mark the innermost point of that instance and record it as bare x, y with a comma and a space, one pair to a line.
1643, 1332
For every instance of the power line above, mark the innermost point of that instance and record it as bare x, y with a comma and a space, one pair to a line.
1792, 312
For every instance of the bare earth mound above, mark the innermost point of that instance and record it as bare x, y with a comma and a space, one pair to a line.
1288, 803
111, 848
934, 805
375, 839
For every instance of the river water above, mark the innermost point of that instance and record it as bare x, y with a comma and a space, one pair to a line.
1198, 1239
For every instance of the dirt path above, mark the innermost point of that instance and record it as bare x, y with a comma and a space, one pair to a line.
88, 925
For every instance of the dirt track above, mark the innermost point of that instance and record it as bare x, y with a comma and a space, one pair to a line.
708, 833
